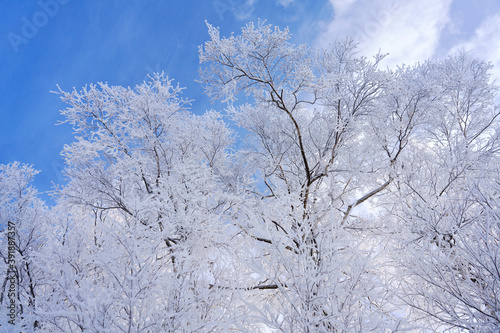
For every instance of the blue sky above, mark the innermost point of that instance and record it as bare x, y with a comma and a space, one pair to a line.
73, 43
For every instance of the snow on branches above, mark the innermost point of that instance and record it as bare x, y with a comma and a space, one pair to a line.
359, 200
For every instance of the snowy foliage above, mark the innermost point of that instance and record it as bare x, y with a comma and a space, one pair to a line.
359, 199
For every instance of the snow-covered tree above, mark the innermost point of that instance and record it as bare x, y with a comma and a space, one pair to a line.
357, 199
448, 197
312, 146
23, 223
141, 243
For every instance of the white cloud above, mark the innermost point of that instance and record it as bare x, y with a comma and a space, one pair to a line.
341, 6
408, 30
485, 43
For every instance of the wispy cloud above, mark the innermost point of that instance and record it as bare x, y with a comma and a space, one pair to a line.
285, 3
485, 43
243, 10
408, 30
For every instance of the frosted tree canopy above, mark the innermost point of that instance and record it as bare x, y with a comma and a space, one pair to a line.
328, 195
